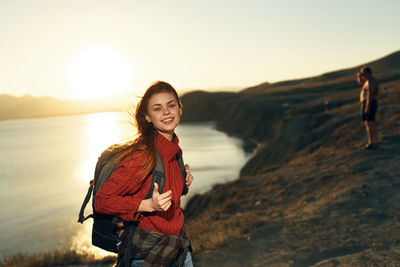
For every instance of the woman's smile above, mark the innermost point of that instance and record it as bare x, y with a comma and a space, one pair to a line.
168, 120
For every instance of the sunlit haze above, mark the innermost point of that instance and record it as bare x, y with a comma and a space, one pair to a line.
99, 72
89, 49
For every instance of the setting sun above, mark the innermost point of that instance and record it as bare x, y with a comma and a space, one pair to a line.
99, 71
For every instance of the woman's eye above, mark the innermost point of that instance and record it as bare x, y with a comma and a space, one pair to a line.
172, 105
157, 109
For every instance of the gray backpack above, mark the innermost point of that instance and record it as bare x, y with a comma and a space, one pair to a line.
105, 227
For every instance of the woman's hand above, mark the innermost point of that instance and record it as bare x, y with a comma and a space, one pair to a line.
367, 109
158, 202
189, 176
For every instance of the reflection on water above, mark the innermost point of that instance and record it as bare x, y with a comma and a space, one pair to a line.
46, 165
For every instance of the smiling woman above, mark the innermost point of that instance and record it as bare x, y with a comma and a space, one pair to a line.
99, 71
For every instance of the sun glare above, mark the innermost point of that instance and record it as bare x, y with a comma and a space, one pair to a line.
103, 131
99, 71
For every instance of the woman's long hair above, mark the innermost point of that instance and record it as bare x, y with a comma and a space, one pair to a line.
145, 142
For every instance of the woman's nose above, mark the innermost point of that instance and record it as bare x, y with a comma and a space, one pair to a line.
166, 110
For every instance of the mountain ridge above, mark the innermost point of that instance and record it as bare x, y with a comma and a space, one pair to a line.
386, 64
27, 106
309, 195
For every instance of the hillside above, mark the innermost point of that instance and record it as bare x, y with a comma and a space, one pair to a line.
310, 195
12, 107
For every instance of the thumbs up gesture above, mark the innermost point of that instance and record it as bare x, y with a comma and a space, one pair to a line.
160, 202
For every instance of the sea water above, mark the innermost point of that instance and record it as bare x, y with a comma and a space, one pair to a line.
46, 165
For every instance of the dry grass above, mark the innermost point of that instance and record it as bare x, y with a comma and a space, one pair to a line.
208, 236
56, 258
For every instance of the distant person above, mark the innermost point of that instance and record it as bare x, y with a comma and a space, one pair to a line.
160, 238
326, 104
369, 104
385, 91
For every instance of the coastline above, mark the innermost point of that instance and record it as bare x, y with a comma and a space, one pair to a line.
309, 196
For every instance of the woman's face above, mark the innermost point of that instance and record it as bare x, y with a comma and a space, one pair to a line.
360, 78
164, 112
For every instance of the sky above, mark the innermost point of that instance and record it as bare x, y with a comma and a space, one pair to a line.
96, 48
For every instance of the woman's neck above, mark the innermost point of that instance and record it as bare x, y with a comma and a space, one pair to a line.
167, 135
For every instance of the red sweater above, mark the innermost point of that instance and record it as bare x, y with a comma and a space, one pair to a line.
121, 194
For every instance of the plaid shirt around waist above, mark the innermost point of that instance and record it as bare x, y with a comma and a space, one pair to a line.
156, 249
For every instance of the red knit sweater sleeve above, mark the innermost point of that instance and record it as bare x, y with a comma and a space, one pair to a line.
120, 194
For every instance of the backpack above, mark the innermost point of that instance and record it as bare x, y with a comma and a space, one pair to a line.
106, 227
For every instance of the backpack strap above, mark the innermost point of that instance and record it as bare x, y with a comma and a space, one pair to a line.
158, 176
81, 217
183, 171
101, 165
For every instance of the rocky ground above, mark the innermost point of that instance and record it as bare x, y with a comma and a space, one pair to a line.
310, 195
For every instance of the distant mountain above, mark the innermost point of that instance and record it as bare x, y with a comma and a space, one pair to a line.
384, 69
259, 106
27, 106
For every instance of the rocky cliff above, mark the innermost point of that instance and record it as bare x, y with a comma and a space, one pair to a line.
310, 195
